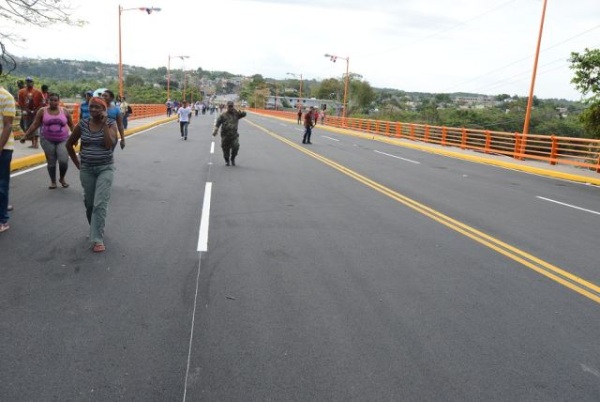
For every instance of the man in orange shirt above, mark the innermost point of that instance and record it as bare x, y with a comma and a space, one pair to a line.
30, 100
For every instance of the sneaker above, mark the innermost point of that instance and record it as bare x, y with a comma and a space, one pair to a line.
9, 208
4, 227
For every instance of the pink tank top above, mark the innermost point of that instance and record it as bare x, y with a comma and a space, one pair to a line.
54, 128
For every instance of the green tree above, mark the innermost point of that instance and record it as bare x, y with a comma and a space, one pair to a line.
587, 81
133, 79
328, 87
362, 94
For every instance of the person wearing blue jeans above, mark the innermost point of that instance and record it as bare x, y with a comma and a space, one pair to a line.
308, 125
7, 145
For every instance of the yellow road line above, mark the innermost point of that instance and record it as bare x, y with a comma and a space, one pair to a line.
565, 278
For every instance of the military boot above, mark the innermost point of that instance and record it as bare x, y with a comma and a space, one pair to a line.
226, 162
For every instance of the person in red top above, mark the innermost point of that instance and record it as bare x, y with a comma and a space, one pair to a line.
30, 100
308, 125
45, 94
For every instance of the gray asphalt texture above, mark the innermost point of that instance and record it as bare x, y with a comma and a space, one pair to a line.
315, 287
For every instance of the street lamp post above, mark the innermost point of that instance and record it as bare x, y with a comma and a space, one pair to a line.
296, 76
334, 58
148, 10
169, 73
532, 86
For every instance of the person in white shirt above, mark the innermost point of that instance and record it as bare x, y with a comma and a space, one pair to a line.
184, 115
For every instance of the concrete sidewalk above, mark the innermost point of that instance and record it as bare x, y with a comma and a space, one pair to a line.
25, 156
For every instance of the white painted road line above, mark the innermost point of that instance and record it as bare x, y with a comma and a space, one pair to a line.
329, 138
569, 205
203, 232
212, 147
398, 157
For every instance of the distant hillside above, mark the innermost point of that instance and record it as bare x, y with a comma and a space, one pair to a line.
102, 74
60, 70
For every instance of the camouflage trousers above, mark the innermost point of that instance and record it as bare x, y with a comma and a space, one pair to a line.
230, 146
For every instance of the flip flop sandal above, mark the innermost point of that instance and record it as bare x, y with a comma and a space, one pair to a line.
64, 184
52, 186
98, 248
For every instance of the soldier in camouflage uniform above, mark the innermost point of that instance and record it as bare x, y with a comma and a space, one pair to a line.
228, 122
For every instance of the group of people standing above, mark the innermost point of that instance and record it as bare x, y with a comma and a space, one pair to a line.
100, 124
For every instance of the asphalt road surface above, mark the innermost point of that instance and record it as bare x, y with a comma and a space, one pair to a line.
346, 270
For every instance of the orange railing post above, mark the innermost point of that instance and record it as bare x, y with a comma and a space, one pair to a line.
398, 129
517, 151
444, 136
412, 131
463, 139
426, 134
553, 150
488, 141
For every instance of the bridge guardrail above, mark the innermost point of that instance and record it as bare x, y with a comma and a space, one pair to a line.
577, 152
140, 111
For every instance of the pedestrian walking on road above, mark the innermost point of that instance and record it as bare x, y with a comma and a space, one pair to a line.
114, 112
184, 115
299, 115
169, 105
308, 125
228, 122
7, 146
30, 100
125, 112
98, 136
84, 107
56, 124
45, 94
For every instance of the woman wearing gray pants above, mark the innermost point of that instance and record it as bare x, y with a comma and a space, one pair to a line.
56, 123
98, 136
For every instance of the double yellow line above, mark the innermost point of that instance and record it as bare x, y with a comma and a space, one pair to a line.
573, 282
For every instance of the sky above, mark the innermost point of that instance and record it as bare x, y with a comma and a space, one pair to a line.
435, 46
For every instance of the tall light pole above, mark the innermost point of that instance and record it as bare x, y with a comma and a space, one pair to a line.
121, 9
296, 76
532, 86
169, 73
334, 58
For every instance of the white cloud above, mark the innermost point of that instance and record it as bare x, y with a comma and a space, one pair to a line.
413, 45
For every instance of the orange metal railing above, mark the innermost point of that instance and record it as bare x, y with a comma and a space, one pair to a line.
578, 152
140, 111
